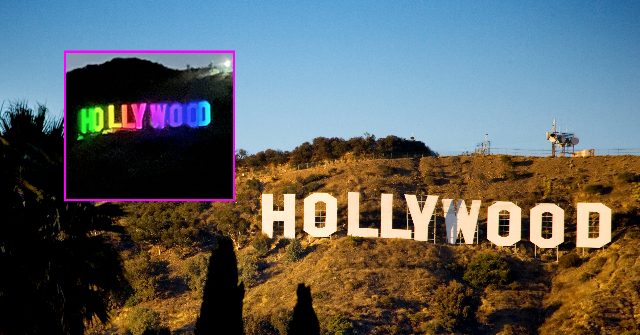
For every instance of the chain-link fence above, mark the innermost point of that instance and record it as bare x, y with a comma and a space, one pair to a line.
493, 151
546, 152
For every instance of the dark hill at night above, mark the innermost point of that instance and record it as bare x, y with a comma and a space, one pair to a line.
173, 162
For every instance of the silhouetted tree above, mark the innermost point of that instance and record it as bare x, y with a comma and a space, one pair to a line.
221, 310
304, 321
231, 223
301, 154
323, 148
241, 154
58, 272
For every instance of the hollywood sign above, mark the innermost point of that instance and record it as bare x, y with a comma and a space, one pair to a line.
458, 220
95, 120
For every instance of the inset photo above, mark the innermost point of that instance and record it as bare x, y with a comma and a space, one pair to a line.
149, 125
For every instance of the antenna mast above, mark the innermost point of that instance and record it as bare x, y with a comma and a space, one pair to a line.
564, 140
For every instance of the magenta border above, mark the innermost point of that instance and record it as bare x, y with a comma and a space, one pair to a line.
233, 126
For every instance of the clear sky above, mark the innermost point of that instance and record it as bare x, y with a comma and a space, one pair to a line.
445, 72
171, 60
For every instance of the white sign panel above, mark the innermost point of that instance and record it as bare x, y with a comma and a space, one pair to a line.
603, 224
421, 218
288, 215
557, 225
460, 221
594, 233
331, 215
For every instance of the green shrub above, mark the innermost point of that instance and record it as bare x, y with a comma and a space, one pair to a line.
586, 276
262, 244
353, 241
260, 325
506, 160
452, 307
281, 319
628, 177
487, 268
143, 276
249, 270
141, 320
386, 301
254, 185
597, 189
598, 263
294, 251
292, 188
168, 224
386, 171
311, 187
304, 186
511, 175
635, 192
195, 269
569, 260
338, 325
429, 180
231, 223
312, 178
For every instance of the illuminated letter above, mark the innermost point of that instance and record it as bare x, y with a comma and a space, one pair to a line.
112, 119
463, 221
191, 115
125, 118
535, 227
331, 215
175, 115
288, 215
353, 213
583, 240
84, 120
204, 113
421, 218
138, 112
158, 112
386, 220
515, 216
98, 119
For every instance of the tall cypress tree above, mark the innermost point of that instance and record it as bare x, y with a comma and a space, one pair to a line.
304, 321
221, 310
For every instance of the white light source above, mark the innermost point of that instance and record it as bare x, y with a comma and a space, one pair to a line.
227, 63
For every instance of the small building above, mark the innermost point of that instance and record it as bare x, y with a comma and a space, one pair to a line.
585, 153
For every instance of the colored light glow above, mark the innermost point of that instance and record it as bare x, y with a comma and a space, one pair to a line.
132, 116
112, 123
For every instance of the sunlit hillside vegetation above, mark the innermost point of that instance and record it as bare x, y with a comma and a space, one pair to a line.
374, 286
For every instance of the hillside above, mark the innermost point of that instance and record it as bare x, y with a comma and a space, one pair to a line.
375, 286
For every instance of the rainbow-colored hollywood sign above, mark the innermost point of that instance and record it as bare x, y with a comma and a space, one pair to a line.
174, 114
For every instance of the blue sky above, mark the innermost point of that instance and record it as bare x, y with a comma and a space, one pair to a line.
445, 72
173, 60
